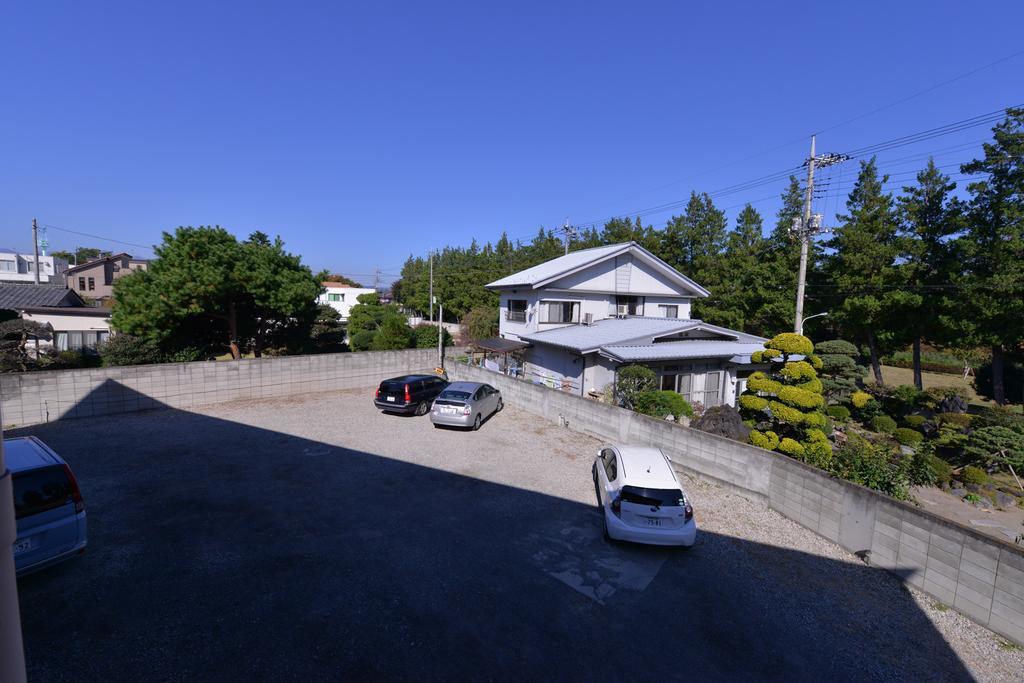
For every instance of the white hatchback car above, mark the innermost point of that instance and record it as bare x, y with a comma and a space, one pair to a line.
640, 497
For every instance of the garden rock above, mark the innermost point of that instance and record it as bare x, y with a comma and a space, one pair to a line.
906, 450
958, 492
724, 421
1005, 500
953, 404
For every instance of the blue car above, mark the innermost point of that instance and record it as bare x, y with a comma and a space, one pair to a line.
48, 506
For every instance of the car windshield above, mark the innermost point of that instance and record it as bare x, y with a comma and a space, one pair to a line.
652, 497
454, 395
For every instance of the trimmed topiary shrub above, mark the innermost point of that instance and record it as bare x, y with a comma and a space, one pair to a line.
791, 447
883, 424
956, 420
752, 402
907, 436
973, 475
791, 343
767, 440
840, 413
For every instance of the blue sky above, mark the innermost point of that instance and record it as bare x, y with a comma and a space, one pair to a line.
363, 133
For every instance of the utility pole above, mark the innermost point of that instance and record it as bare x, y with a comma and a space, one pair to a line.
35, 246
431, 285
440, 336
807, 226
12, 655
568, 232
376, 279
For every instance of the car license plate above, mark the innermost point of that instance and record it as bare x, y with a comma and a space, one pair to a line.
22, 546
653, 521
449, 411
391, 398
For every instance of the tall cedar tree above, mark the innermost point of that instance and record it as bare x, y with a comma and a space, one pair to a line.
992, 250
735, 280
929, 216
863, 266
780, 262
691, 243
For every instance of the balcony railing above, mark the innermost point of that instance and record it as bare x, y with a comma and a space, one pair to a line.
515, 316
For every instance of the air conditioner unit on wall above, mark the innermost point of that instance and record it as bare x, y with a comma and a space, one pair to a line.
588, 318
621, 311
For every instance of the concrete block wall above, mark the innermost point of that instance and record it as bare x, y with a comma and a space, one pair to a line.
980, 576
33, 397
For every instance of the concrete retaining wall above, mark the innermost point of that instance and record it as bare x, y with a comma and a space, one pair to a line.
980, 576
29, 398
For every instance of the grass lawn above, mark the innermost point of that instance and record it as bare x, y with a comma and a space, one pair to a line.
897, 376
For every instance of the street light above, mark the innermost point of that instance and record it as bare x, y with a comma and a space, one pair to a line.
816, 315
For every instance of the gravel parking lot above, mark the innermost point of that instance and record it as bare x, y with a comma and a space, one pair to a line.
316, 538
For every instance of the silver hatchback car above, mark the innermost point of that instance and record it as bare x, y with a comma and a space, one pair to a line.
465, 404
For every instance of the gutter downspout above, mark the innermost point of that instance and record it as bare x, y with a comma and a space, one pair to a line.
12, 654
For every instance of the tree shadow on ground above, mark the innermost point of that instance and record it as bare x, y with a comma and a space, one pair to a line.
223, 551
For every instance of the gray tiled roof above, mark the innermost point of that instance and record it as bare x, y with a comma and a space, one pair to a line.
696, 348
633, 331
17, 296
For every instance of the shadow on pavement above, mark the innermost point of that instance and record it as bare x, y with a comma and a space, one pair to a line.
223, 551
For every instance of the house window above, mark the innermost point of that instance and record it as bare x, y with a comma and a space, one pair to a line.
712, 394
92, 284
60, 341
74, 340
516, 310
560, 311
8, 266
629, 305
81, 283
334, 297
669, 311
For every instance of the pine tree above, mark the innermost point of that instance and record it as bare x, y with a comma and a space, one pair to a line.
929, 216
690, 243
991, 285
862, 268
779, 263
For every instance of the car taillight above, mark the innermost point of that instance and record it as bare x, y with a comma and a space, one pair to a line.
408, 398
76, 494
376, 394
467, 410
617, 506
688, 512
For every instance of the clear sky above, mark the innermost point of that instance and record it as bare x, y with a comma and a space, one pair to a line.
362, 133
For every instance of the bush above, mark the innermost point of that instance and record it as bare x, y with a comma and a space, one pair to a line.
908, 437
425, 336
860, 399
791, 343
125, 349
942, 470
767, 440
883, 424
944, 400
792, 448
914, 421
955, 420
926, 469
1000, 445
362, 340
632, 381
724, 421
973, 475
479, 323
662, 403
907, 394
836, 346
840, 413
876, 467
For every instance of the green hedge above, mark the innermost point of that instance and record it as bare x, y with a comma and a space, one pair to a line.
841, 413
908, 437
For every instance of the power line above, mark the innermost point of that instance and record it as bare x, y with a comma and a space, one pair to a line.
98, 237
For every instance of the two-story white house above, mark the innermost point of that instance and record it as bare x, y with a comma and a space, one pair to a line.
585, 314
15, 267
342, 297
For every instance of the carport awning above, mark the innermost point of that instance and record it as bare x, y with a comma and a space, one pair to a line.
499, 345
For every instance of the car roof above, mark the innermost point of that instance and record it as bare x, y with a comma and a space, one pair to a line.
27, 453
464, 386
410, 378
646, 466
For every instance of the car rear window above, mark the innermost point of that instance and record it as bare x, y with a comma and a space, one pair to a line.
40, 490
393, 387
454, 395
652, 497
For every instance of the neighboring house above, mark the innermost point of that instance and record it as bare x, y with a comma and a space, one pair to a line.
342, 297
95, 279
76, 326
580, 317
15, 267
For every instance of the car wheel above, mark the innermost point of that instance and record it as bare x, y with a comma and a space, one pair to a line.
476, 422
422, 408
501, 406
604, 523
